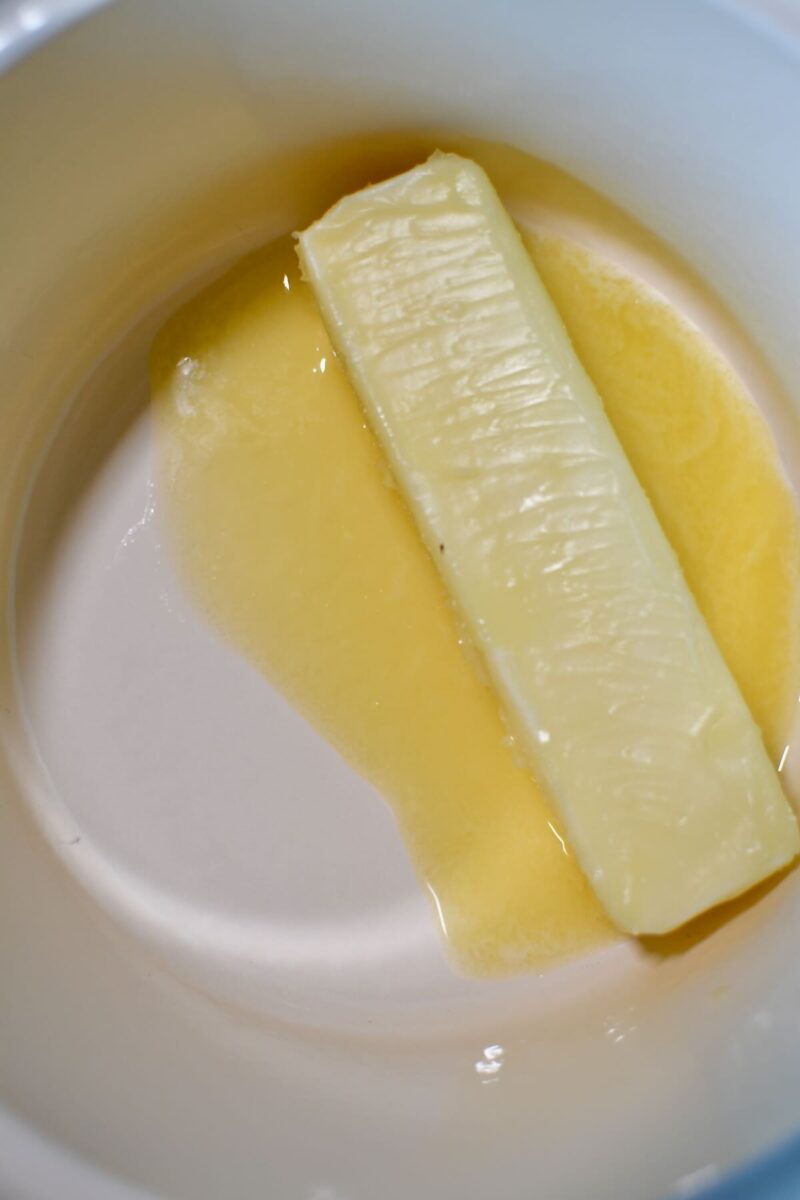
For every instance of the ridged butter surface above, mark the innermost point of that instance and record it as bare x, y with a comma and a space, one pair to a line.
549, 546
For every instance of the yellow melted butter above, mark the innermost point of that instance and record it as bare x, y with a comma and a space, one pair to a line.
294, 542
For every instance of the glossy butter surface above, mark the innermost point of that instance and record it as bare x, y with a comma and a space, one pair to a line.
293, 544
549, 546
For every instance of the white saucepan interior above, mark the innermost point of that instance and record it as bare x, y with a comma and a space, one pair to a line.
213, 982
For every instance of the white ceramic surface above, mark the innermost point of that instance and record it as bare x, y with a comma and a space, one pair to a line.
208, 987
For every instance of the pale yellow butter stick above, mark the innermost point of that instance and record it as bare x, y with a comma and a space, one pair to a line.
548, 545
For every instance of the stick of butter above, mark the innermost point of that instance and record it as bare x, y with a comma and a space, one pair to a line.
604, 664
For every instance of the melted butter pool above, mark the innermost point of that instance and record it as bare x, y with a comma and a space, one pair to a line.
292, 540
